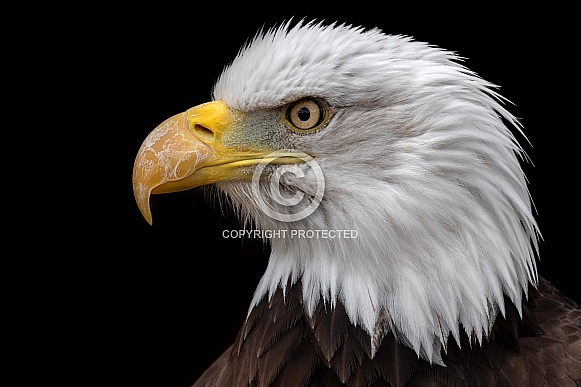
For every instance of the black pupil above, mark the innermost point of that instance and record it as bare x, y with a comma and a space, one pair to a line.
304, 113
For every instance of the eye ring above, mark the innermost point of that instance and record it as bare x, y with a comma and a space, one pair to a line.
306, 115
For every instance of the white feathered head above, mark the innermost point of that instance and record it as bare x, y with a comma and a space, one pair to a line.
415, 156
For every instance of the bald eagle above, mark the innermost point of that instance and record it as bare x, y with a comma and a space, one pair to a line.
387, 180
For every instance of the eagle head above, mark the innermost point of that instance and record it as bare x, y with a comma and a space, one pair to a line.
326, 128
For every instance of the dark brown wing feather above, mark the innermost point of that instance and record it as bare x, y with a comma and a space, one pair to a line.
554, 358
279, 345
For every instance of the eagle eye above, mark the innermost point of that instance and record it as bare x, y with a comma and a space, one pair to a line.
306, 115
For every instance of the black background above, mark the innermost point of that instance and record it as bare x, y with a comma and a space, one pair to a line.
155, 305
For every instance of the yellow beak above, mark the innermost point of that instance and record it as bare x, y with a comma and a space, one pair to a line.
186, 151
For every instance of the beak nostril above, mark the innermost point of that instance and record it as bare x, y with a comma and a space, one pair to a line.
203, 132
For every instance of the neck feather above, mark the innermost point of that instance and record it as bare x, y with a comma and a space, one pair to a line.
423, 278
333, 351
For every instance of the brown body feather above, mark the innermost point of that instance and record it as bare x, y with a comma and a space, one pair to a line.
280, 345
